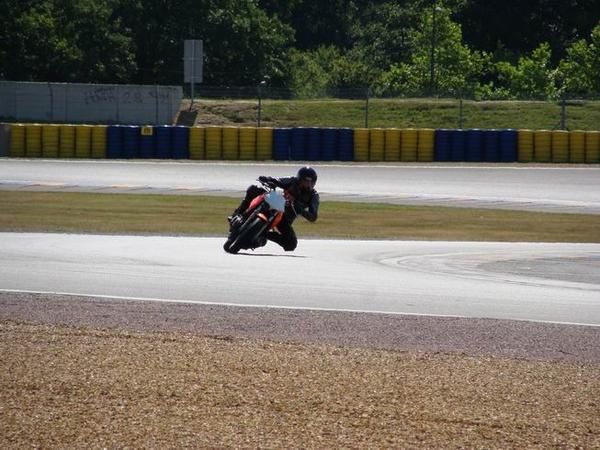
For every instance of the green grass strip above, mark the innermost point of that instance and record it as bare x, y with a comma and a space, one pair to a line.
205, 216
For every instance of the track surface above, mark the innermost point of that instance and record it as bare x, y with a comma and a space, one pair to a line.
551, 188
463, 279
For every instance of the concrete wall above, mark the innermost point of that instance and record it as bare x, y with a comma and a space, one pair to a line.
89, 103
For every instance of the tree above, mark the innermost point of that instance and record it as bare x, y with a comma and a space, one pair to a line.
242, 44
578, 72
532, 78
65, 41
453, 70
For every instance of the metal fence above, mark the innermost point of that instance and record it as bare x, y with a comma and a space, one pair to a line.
89, 103
363, 109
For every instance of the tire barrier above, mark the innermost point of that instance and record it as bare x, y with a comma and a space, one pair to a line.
17, 140
114, 141
542, 146
525, 146
264, 144
391, 151
577, 146
409, 139
131, 142
474, 145
213, 142
147, 148
491, 145
298, 144
303, 143
376, 144
180, 137
231, 144
425, 144
196, 144
442, 145
83, 141
50, 141
361, 144
98, 150
508, 145
33, 141
247, 143
346, 145
560, 146
313, 144
592, 147
281, 143
457, 145
329, 144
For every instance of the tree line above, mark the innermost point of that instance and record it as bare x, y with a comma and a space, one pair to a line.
534, 49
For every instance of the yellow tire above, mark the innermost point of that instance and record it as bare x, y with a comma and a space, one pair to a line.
214, 143
425, 144
197, 146
66, 146
99, 141
542, 146
83, 141
264, 144
409, 143
247, 143
33, 140
17, 140
361, 144
592, 147
525, 146
577, 146
231, 149
392, 144
376, 144
560, 146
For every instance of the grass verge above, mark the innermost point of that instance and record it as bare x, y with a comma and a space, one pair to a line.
198, 215
398, 113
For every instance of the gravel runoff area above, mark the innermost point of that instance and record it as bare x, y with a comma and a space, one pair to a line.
99, 373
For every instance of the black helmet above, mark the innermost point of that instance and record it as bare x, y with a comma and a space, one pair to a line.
307, 173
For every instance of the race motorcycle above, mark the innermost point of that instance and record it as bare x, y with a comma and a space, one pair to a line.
263, 215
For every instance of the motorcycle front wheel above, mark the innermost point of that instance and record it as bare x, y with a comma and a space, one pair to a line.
245, 235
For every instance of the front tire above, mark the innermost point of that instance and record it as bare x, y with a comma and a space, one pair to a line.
246, 233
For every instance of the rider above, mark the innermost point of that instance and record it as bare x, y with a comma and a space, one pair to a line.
303, 200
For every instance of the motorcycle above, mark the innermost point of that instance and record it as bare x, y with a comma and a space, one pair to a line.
263, 215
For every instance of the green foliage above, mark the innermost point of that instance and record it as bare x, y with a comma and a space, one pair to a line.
532, 78
406, 47
440, 64
578, 72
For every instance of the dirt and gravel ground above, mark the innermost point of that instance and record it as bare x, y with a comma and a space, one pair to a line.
99, 373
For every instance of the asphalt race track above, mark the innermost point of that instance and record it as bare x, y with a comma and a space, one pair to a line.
509, 186
459, 279
557, 283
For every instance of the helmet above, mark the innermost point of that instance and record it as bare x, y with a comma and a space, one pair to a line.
307, 173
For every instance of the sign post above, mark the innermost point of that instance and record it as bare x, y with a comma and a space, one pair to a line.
193, 62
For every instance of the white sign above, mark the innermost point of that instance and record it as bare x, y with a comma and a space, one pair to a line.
193, 57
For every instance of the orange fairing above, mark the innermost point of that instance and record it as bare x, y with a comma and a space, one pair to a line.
276, 221
255, 202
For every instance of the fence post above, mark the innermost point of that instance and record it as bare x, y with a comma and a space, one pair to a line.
460, 114
563, 114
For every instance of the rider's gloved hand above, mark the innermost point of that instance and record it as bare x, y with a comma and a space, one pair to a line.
269, 181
